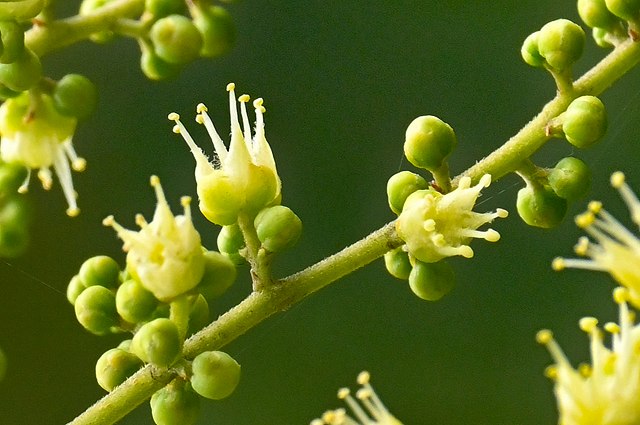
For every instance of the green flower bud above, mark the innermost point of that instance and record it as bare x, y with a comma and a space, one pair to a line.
561, 43
75, 96
628, 10
219, 274
157, 342
540, 206
134, 303
96, 311
584, 122
529, 51
595, 14
175, 404
397, 263
215, 374
125, 345
162, 8
3, 364
230, 241
12, 37
100, 270
199, 316
278, 228
428, 142
23, 73
431, 281
400, 186
115, 366
155, 68
20, 10
570, 178
74, 289
176, 39
12, 175
87, 7
217, 29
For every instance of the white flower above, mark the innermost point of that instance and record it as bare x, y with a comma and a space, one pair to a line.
370, 410
34, 134
435, 226
615, 249
244, 178
607, 391
166, 255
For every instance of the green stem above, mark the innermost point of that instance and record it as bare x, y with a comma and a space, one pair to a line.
179, 310
256, 256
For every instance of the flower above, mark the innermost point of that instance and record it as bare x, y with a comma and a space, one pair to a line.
166, 255
244, 177
374, 412
35, 135
606, 392
435, 226
615, 249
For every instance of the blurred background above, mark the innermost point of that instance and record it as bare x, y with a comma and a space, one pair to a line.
341, 81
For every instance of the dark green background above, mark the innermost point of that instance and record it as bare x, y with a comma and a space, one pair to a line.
341, 81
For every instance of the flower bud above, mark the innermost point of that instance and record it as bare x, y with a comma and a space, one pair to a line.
217, 29
529, 51
176, 39
215, 374
584, 122
561, 43
95, 309
431, 281
230, 241
162, 8
12, 37
115, 366
100, 270
134, 303
23, 73
570, 178
397, 263
74, 289
21, 10
595, 14
428, 143
540, 206
628, 10
278, 228
157, 342
75, 96
175, 404
219, 274
400, 186
155, 68
88, 7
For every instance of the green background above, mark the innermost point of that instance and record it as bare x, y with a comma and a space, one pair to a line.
341, 81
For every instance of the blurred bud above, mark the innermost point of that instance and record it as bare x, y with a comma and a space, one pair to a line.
175, 404
100, 270
95, 309
397, 263
75, 96
216, 27
115, 366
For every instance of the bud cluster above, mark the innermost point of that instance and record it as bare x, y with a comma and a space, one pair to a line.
611, 21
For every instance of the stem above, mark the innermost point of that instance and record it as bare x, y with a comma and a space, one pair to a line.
259, 261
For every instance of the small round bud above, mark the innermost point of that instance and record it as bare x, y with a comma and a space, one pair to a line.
199, 315
155, 68
74, 289
400, 186
157, 342
215, 374
529, 51
115, 366
561, 43
176, 39
217, 29
585, 121
428, 142
628, 10
431, 281
230, 241
23, 73
87, 7
3, 364
595, 14
162, 8
12, 37
75, 96
100, 270
175, 404
134, 303
219, 274
96, 311
278, 228
540, 207
570, 178
397, 263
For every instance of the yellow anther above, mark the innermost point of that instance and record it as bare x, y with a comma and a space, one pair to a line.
185, 201
585, 370
73, 212
594, 206
612, 328
108, 221
502, 213
551, 372
363, 377
620, 295
544, 336
173, 116
200, 119
176, 129
582, 247
617, 179
154, 180
244, 98
201, 108
558, 264
588, 324
492, 236
343, 393
231, 86
585, 219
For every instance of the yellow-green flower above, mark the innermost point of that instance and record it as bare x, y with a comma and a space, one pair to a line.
34, 134
605, 392
166, 255
435, 226
242, 179
614, 248
370, 410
